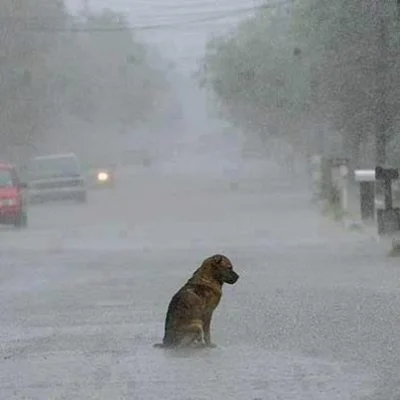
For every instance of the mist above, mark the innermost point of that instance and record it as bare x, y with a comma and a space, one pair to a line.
190, 134
141, 137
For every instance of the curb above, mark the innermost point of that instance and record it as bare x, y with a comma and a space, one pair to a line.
390, 242
357, 225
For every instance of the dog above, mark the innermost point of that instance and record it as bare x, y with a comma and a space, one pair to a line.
190, 310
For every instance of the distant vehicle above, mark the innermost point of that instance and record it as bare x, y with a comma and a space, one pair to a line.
56, 177
101, 177
136, 157
13, 207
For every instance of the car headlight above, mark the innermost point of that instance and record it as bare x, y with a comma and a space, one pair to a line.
8, 202
102, 176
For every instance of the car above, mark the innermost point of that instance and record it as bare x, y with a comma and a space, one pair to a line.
56, 177
102, 177
138, 157
13, 205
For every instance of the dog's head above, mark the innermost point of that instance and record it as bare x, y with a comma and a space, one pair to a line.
222, 269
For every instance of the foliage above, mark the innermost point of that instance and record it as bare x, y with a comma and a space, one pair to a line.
24, 100
256, 70
115, 82
318, 62
56, 67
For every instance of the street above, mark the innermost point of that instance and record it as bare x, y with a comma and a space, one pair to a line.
84, 291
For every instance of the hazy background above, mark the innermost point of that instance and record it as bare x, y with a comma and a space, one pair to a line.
176, 34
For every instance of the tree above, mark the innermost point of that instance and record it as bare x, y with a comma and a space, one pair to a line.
24, 105
286, 72
345, 39
63, 76
109, 77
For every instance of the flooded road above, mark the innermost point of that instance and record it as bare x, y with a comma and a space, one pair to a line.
85, 288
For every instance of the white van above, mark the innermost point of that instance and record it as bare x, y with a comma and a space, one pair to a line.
56, 177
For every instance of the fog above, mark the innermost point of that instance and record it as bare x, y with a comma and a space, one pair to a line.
197, 141
203, 116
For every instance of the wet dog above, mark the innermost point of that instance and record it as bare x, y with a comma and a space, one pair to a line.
190, 310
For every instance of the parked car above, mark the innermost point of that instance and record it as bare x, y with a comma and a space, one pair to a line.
56, 177
13, 207
137, 157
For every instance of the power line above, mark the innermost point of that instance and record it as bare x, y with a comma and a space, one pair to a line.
166, 25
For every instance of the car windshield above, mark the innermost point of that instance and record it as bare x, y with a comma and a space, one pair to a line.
54, 167
6, 178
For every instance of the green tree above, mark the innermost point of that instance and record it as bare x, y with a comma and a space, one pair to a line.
284, 72
342, 40
60, 74
24, 49
109, 77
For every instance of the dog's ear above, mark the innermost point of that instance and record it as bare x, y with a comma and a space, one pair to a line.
217, 259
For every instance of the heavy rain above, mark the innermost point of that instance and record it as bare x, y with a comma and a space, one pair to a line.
139, 138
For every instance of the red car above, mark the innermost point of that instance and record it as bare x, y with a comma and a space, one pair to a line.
12, 198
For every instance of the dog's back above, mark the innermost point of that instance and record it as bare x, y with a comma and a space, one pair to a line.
170, 339
184, 314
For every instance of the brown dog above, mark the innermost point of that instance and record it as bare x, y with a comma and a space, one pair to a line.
190, 311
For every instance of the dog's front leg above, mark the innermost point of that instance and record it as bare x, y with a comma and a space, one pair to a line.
207, 333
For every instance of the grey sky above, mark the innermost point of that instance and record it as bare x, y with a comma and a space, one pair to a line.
179, 28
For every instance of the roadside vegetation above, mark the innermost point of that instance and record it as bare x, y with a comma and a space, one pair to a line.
63, 75
310, 73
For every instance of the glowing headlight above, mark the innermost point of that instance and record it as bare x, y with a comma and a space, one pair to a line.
102, 176
8, 202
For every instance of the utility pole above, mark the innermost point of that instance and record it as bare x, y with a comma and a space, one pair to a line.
381, 67
85, 7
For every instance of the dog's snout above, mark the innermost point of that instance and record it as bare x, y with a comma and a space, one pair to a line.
232, 278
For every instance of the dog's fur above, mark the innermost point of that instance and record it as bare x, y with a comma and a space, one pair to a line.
190, 310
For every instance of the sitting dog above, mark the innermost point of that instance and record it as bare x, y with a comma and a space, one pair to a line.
190, 310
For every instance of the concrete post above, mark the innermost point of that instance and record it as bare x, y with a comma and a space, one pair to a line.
366, 177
